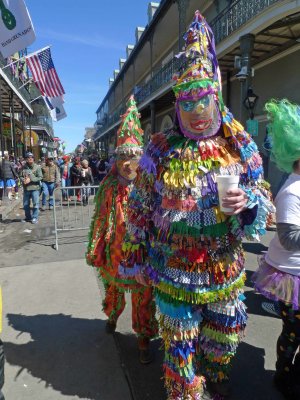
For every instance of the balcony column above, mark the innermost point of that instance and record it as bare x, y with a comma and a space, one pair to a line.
246, 47
153, 124
182, 6
24, 148
151, 55
1, 125
13, 125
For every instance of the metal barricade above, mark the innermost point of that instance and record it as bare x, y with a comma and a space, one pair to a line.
73, 208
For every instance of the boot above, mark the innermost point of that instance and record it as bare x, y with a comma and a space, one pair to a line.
222, 389
145, 354
282, 382
110, 327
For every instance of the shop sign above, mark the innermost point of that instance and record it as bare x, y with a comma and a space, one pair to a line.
252, 127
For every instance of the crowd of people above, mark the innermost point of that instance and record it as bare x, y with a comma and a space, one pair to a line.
39, 180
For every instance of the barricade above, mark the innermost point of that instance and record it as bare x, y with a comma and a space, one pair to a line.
73, 208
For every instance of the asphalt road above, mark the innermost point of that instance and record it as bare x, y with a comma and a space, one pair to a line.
54, 335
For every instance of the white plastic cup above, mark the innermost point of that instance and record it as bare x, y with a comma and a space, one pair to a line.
225, 183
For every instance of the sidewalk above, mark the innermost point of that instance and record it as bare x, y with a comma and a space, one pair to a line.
55, 344
54, 328
8, 206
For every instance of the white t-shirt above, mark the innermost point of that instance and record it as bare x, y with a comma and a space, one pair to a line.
287, 204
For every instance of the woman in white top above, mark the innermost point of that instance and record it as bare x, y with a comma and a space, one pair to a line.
278, 276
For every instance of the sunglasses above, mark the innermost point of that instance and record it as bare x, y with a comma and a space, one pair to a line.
190, 105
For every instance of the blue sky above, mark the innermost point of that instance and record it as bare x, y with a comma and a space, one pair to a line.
87, 38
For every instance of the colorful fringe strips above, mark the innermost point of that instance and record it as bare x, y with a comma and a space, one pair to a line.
192, 252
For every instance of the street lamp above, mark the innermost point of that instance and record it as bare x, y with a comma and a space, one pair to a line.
250, 101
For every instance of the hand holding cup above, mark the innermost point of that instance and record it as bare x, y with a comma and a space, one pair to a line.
232, 199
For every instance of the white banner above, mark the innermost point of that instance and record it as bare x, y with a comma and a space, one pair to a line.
60, 113
16, 29
55, 107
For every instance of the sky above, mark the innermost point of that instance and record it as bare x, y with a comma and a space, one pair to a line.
87, 40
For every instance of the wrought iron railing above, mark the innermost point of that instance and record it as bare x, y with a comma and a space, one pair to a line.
237, 14
43, 121
17, 83
228, 21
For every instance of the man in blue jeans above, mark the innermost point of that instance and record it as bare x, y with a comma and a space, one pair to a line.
31, 177
51, 179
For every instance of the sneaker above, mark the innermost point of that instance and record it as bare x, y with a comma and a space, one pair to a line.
43, 208
16, 196
34, 221
271, 308
26, 220
50, 207
110, 327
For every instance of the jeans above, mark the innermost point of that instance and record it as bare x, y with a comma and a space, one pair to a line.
1, 369
66, 183
48, 189
85, 193
34, 195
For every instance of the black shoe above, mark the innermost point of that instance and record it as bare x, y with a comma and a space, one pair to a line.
146, 356
222, 389
110, 327
283, 385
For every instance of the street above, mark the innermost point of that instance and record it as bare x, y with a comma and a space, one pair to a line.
55, 343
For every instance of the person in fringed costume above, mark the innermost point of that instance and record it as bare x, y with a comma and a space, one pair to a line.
107, 231
278, 276
178, 237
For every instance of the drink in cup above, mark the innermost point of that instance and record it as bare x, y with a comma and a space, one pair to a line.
225, 183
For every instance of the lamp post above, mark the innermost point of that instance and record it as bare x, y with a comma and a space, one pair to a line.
250, 101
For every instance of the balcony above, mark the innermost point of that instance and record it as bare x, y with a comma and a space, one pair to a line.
227, 22
15, 81
42, 122
236, 15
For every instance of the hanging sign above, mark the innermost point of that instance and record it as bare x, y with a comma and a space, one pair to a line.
252, 127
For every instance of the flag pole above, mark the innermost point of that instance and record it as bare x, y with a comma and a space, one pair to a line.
31, 101
28, 55
38, 51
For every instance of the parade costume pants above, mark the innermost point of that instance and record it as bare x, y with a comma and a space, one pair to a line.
289, 341
202, 347
143, 310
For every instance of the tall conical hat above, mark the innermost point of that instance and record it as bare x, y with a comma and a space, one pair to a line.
130, 133
201, 75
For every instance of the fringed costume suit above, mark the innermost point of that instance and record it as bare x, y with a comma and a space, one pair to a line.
192, 252
105, 251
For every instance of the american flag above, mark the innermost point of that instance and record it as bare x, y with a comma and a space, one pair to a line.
44, 73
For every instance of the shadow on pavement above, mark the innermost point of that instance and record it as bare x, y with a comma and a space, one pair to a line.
254, 300
254, 247
145, 380
250, 380
72, 355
